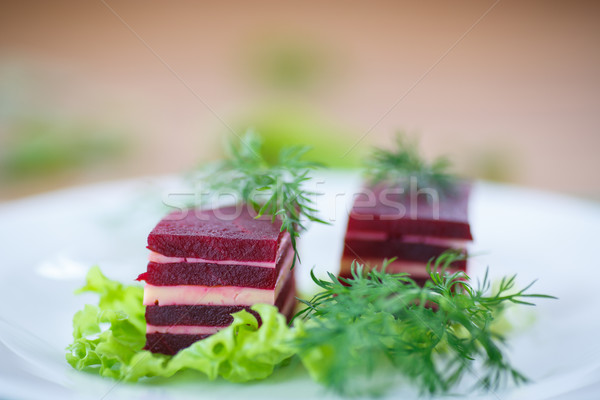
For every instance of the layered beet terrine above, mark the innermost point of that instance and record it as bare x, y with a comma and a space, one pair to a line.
205, 265
386, 223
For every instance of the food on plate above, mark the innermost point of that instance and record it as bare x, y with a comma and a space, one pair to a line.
354, 337
411, 234
210, 267
207, 264
408, 211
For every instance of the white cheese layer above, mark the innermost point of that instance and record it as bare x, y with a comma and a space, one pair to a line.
206, 295
184, 329
432, 240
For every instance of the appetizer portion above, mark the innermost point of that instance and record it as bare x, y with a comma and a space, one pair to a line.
205, 265
412, 234
210, 267
408, 211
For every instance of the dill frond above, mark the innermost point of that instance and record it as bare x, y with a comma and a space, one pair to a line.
400, 165
432, 335
273, 189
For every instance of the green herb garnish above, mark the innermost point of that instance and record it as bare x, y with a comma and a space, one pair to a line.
274, 189
431, 335
399, 166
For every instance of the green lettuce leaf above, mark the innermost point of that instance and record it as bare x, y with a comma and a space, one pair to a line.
109, 338
243, 351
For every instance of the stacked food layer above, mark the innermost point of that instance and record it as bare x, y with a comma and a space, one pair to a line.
413, 228
207, 264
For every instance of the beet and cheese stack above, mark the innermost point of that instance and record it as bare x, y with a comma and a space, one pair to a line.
205, 265
413, 234
409, 210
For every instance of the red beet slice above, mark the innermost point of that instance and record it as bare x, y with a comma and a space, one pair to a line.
168, 343
209, 275
227, 233
399, 214
200, 315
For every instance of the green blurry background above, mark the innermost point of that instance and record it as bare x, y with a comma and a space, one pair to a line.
92, 91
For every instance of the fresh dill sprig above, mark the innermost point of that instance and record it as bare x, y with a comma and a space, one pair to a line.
431, 335
399, 166
274, 189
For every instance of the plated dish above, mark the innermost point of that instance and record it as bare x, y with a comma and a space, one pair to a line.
208, 264
99, 227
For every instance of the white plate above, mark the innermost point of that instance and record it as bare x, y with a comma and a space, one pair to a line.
48, 242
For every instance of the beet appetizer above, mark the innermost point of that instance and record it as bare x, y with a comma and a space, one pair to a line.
408, 211
206, 264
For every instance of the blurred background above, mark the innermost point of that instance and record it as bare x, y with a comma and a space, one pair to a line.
101, 90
